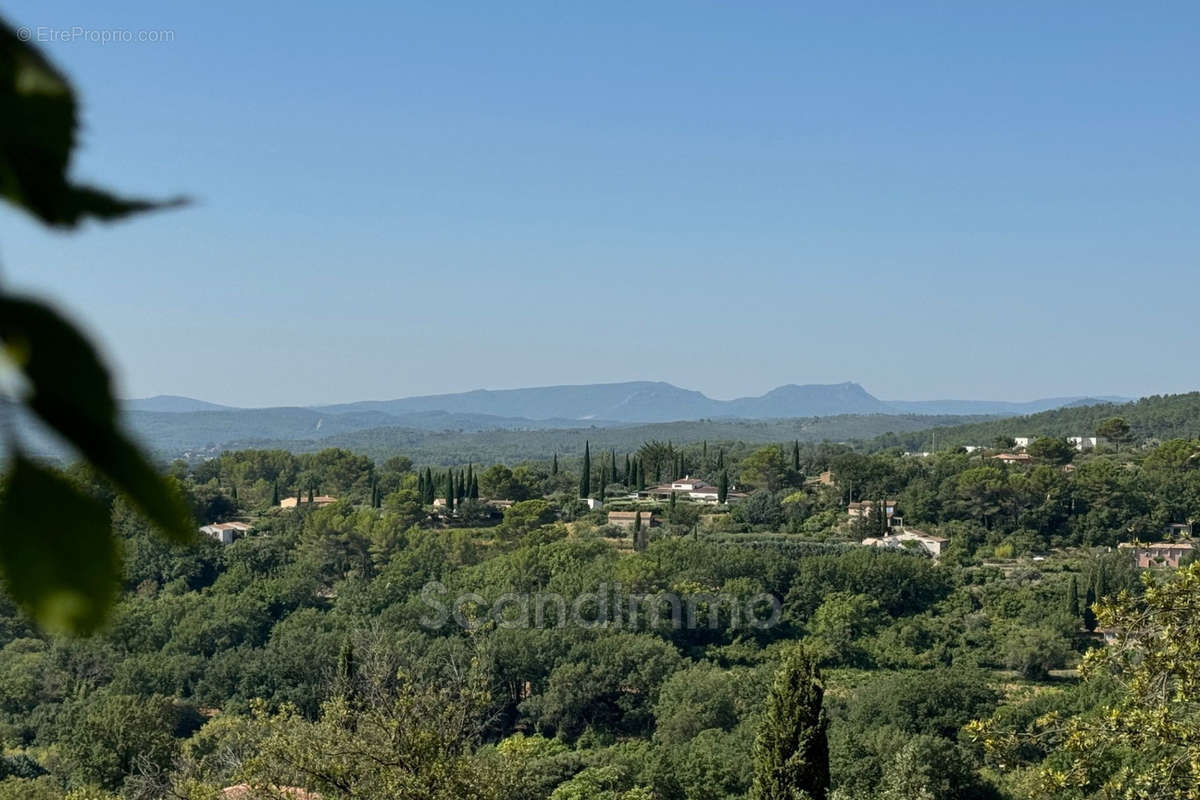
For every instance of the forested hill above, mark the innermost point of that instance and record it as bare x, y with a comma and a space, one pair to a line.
1172, 416
493, 446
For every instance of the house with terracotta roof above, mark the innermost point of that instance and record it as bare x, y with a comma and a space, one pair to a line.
863, 509
1157, 554
318, 501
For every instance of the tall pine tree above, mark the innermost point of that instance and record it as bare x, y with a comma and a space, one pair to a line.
723, 487
585, 473
791, 752
554, 465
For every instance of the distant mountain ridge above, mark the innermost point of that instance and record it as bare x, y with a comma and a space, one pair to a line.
657, 401
173, 424
643, 402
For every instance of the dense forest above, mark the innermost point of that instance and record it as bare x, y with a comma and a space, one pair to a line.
311, 653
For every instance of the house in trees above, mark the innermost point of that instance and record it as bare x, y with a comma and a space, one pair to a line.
910, 538
689, 488
226, 532
1013, 458
1157, 554
1021, 442
864, 509
1082, 443
318, 501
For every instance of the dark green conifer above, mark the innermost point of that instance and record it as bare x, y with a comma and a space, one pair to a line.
554, 465
1089, 616
585, 472
791, 752
723, 487
275, 493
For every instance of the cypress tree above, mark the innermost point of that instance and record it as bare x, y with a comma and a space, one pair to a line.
1089, 616
720, 458
345, 670
796, 455
641, 474
791, 752
612, 466
275, 493
637, 530
474, 487
450, 490
723, 487
585, 474
554, 465
460, 489
421, 485
310, 493
1073, 599
704, 454
672, 502
233, 491
628, 476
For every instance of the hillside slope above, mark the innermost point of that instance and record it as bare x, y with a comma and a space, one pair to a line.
1156, 417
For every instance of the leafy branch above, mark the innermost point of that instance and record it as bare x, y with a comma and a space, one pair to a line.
57, 552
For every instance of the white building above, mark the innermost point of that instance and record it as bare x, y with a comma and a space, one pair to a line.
1023, 441
1082, 443
910, 537
226, 532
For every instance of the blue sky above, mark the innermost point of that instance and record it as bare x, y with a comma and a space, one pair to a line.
404, 198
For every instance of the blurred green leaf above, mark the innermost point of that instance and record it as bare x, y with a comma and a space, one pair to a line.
38, 121
57, 550
71, 393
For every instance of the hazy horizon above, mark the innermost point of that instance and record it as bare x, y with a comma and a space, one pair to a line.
409, 199
712, 396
